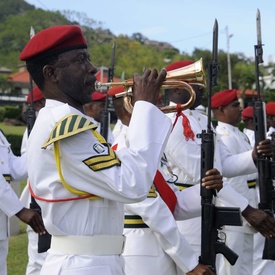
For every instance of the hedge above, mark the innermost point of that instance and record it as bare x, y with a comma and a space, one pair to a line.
15, 141
11, 112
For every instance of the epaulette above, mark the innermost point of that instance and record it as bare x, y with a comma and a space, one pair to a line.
68, 126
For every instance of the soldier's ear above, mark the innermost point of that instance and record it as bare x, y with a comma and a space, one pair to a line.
50, 73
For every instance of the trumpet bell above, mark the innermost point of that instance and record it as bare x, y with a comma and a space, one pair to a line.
192, 74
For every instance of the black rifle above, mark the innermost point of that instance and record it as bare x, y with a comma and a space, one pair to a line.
213, 217
264, 164
273, 159
44, 241
104, 116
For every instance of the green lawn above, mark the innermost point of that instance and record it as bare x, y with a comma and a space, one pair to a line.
18, 252
8, 129
18, 248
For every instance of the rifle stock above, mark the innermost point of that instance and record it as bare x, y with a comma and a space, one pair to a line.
213, 218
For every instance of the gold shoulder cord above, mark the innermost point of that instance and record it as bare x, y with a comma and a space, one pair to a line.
65, 184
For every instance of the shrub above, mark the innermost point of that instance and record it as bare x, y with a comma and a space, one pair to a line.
15, 141
2, 113
12, 112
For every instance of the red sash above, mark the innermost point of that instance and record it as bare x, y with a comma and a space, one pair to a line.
166, 193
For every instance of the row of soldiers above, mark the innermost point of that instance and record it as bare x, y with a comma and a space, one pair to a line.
145, 188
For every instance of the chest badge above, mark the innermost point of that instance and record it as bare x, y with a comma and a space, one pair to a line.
99, 148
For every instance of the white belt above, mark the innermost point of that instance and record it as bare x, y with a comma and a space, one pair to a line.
88, 245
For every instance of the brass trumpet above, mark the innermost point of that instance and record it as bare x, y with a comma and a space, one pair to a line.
179, 78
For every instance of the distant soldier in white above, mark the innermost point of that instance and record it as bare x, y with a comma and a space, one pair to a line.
183, 152
36, 259
12, 168
227, 110
270, 114
247, 118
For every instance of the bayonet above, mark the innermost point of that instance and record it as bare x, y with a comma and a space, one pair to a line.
258, 23
258, 47
32, 32
215, 54
112, 68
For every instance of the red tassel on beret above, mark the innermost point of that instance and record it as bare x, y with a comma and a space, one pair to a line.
223, 98
53, 40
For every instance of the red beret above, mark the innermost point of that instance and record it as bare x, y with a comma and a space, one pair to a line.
98, 96
223, 98
53, 40
270, 108
178, 64
115, 90
247, 113
36, 94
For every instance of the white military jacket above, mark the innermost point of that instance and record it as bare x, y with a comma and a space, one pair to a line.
159, 248
251, 136
237, 142
76, 162
11, 168
270, 131
185, 160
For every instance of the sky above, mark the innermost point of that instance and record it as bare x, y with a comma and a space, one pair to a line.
184, 24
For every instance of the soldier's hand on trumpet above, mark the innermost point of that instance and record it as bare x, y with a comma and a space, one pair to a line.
147, 86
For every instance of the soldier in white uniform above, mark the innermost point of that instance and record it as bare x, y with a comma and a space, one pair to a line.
260, 266
227, 110
247, 118
183, 152
270, 114
80, 183
12, 168
154, 244
35, 260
